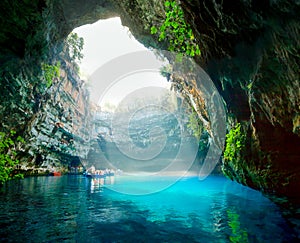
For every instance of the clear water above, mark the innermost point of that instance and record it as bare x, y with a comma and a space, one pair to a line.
77, 209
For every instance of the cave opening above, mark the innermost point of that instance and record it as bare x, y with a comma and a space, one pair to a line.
149, 116
140, 101
104, 41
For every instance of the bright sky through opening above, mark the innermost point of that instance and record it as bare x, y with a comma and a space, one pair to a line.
104, 41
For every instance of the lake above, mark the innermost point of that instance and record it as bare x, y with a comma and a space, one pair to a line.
138, 209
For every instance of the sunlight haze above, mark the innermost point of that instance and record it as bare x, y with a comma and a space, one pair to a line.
106, 40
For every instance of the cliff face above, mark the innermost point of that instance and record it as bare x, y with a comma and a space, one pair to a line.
251, 52
55, 124
59, 128
149, 135
52, 115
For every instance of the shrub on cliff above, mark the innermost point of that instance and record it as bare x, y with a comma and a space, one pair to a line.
8, 161
195, 125
176, 31
235, 141
233, 165
50, 72
74, 45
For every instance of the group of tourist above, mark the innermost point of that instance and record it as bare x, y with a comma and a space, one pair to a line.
106, 172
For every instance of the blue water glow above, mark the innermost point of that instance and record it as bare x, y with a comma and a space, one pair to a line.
77, 209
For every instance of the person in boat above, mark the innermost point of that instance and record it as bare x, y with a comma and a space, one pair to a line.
91, 170
109, 172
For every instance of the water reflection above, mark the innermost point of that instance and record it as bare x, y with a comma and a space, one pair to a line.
98, 183
238, 234
79, 209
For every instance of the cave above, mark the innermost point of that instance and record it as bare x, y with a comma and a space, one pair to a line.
249, 51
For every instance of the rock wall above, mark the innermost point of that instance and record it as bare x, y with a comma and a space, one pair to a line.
54, 117
59, 131
56, 125
162, 138
251, 52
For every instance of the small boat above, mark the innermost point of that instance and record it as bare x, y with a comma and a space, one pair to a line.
90, 175
110, 174
98, 176
99, 173
87, 174
55, 173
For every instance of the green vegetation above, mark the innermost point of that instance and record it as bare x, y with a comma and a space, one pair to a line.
238, 234
195, 125
8, 161
74, 45
235, 141
50, 72
176, 31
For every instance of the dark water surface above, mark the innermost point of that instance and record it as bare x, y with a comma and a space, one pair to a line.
78, 209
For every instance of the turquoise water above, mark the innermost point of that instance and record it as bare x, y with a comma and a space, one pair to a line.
77, 209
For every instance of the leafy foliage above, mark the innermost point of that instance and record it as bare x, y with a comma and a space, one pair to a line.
234, 143
50, 72
175, 29
195, 125
8, 161
74, 45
